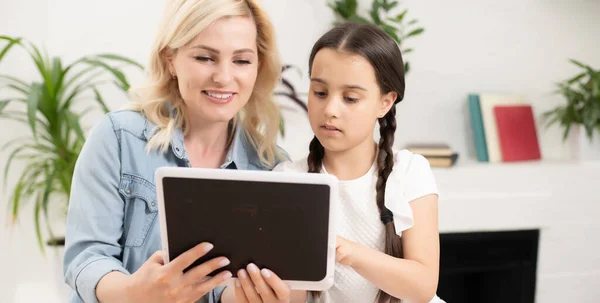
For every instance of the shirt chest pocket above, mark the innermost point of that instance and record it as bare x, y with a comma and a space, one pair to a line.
141, 208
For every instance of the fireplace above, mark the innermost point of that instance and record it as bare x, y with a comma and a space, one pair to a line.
488, 266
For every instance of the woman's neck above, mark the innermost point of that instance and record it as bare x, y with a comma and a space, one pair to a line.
207, 144
352, 163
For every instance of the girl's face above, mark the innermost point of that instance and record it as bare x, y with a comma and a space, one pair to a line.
216, 72
345, 100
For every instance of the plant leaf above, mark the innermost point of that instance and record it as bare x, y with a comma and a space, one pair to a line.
390, 30
49, 182
74, 123
18, 89
32, 106
80, 74
566, 132
42, 68
552, 116
289, 85
281, 125
57, 76
580, 64
38, 231
294, 98
289, 66
374, 12
121, 58
65, 181
19, 116
100, 100
15, 140
3, 104
115, 72
345, 8
16, 198
11, 42
24, 87
85, 111
80, 88
400, 16
358, 19
11, 157
389, 6
351, 5
15, 119
415, 32
19, 194
576, 78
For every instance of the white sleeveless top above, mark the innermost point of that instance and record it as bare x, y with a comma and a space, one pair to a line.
359, 218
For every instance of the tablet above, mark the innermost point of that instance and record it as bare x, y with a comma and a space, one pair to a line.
282, 221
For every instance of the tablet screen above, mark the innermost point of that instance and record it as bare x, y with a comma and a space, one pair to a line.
280, 226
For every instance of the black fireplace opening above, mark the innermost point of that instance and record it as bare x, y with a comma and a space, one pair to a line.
488, 267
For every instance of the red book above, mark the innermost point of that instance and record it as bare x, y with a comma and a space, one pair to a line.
517, 133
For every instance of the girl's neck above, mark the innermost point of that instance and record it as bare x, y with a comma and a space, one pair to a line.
352, 163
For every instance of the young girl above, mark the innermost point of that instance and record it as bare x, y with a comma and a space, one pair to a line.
388, 240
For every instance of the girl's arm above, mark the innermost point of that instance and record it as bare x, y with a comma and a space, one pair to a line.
413, 278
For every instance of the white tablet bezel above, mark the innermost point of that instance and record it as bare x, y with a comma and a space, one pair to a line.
262, 176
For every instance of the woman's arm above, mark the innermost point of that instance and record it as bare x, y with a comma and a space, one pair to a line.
111, 288
95, 226
413, 278
95, 216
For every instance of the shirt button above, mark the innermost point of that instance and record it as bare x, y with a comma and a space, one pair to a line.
128, 191
153, 203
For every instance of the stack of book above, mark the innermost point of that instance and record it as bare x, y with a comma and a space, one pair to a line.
503, 128
438, 154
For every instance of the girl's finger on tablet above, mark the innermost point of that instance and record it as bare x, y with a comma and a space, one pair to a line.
248, 287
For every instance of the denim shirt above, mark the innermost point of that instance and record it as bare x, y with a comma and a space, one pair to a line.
112, 221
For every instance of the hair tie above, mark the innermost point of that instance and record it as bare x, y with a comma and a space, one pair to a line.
386, 216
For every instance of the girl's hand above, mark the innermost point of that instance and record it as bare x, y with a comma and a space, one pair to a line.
344, 251
255, 286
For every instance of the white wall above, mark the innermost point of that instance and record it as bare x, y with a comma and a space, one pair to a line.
558, 198
469, 45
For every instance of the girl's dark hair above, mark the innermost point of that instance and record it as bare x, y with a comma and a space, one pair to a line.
373, 44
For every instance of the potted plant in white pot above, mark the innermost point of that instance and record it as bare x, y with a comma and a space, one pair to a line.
52, 108
580, 116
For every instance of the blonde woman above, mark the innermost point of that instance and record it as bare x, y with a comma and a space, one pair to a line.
214, 65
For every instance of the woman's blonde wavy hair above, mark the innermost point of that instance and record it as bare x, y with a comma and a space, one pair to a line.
182, 22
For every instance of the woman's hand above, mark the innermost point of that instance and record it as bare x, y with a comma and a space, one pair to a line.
255, 286
345, 251
157, 282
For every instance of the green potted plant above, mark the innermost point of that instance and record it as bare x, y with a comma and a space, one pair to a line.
579, 118
380, 14
48, 107
290, 93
